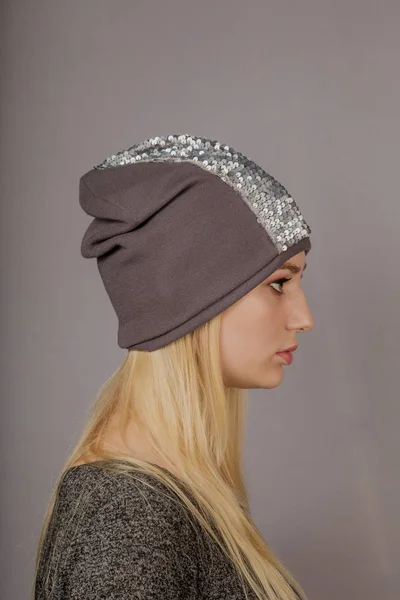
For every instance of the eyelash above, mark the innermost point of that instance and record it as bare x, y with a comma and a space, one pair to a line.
281, 282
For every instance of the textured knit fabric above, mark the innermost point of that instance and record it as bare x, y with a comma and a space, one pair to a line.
117, 539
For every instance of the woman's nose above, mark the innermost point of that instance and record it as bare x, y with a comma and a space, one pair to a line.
301, 317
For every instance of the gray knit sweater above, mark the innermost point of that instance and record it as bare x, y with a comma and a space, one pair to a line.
117, 539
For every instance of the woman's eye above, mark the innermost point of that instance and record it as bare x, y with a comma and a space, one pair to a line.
280, 282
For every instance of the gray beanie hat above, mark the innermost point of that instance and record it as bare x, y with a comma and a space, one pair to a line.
184, 227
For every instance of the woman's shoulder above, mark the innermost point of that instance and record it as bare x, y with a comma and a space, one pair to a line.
89, 487
113, 534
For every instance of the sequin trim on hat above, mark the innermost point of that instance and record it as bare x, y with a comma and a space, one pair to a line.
268, 199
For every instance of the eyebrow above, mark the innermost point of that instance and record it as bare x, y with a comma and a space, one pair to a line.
292, 267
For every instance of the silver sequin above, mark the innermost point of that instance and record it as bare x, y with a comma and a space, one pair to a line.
271, 203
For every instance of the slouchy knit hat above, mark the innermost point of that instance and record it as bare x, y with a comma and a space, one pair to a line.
183, 227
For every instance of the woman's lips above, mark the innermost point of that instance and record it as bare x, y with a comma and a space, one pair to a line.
287, 356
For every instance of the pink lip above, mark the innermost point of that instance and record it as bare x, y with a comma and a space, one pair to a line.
287, 356
291, 349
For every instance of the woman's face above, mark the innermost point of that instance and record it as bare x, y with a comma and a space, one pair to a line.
265, 321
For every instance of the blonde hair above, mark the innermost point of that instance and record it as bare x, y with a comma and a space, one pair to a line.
178, 394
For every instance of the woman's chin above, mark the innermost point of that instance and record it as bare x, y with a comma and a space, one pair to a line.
270, 380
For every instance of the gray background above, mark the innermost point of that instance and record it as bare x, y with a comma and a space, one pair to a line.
311, 91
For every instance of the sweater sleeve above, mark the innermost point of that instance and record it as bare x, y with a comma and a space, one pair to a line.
131, 548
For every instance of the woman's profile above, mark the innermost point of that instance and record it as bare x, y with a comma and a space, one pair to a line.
201, 253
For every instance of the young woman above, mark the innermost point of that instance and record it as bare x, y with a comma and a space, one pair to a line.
201, 253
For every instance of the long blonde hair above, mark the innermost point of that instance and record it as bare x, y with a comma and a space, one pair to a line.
178, 394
